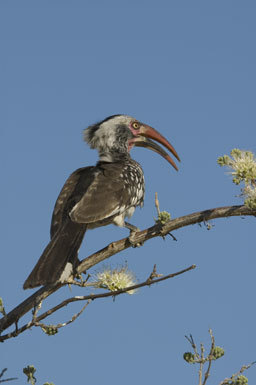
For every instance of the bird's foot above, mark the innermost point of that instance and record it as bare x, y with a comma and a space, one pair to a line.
132, 237
77, 280
133, 230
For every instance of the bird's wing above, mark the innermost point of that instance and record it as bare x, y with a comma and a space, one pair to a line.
107, 195
70, 194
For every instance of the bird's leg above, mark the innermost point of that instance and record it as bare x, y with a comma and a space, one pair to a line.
131, 227
133, 230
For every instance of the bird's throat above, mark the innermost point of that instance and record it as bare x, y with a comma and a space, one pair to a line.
113, 156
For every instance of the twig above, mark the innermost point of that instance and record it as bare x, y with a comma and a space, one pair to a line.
2, 372
226, 381
207, 373
92, 297
60, 325
6, 379
153, 275
201, 359
157, 204
9, 379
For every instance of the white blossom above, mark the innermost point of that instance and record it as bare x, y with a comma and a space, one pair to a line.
115, 279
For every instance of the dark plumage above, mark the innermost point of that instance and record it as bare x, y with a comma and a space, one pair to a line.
97, 195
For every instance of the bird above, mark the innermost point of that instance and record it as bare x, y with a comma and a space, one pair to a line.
99, 195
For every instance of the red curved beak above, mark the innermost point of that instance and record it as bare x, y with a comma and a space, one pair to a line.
146, 131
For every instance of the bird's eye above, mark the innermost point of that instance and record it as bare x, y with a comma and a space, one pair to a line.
135, 125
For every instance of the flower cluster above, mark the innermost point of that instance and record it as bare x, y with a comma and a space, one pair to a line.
243, 166
240, 380
217, 352
116, 279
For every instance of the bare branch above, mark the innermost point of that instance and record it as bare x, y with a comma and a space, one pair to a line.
115, 247
35, 320
160, 230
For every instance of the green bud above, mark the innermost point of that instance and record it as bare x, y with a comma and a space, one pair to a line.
189, 357
241, 380
218, 352
163, 217
29, 371
50, 330
224, 161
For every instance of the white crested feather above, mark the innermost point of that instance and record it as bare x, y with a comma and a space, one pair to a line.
104, 137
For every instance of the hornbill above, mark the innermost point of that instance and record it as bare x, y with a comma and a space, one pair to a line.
98, 195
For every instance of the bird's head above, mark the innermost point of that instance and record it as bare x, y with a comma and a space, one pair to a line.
116, 135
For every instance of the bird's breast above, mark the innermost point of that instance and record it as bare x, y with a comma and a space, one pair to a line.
133, 178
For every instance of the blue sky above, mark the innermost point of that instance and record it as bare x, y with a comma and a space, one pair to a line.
186, 68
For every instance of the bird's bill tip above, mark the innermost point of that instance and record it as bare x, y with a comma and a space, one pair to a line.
142, 141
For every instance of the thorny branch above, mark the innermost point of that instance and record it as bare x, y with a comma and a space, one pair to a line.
115, 247
152, 279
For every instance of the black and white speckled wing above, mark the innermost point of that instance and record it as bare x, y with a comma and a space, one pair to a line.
72, 191
107, 195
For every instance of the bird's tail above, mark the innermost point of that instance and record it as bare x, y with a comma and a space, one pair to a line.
59, 258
